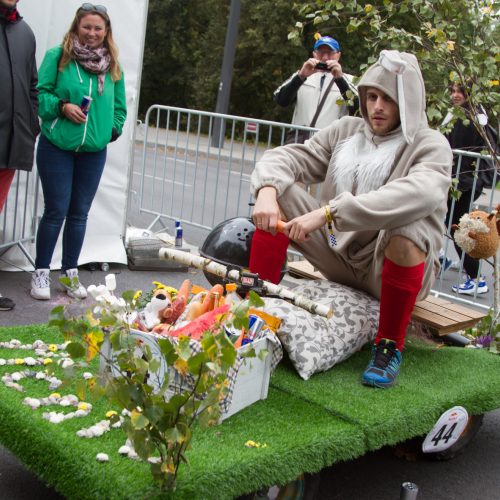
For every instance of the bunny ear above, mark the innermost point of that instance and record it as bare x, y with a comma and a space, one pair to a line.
391, 61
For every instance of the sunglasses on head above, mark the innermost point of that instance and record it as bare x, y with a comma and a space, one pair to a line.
92, 7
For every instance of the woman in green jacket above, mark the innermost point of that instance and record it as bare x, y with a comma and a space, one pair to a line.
82, 106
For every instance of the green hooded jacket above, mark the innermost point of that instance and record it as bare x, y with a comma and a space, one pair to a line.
107, 111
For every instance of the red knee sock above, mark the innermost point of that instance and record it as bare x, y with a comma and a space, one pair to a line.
268, 254
400, 287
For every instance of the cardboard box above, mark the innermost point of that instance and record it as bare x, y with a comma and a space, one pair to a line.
252, 380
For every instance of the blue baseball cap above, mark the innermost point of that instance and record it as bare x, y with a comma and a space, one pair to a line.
329, 41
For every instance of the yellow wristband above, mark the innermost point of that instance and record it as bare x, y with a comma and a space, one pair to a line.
332, 240
328, 215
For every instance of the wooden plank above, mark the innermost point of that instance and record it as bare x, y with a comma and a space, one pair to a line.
452, 306
435, 300
443, 316
424, 316
444, 312
471, 313
304, 269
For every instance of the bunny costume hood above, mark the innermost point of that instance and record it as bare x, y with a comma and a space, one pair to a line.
377, 186
398, 75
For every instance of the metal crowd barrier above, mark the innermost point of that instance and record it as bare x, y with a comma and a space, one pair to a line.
195, 166
20, 214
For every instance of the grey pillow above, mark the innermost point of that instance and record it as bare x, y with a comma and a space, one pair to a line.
314, 343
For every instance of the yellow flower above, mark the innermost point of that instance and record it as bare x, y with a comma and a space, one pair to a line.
182, 367
52, 348
19, 361
450, 45
137, 295
494, 83
83, 406
55, 395
253, 444
170, 289
111, 413
47, 361
368, 8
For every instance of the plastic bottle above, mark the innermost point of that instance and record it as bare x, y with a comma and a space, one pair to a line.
231, 297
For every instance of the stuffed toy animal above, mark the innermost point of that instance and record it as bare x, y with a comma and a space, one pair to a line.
151, 315
477, 233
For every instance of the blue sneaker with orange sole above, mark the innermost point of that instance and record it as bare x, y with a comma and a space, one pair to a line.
383, 368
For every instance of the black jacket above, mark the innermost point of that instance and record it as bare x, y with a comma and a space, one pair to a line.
466, 138
18, 95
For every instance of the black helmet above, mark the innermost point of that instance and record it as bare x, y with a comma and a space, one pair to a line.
229, 243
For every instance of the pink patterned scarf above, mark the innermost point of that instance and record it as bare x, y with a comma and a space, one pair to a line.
95, 61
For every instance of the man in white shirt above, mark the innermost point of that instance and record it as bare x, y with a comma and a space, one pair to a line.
306, 87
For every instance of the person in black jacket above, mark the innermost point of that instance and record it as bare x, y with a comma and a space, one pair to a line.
18, 103
470, 186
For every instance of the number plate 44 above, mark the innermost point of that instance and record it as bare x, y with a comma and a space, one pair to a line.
447, 430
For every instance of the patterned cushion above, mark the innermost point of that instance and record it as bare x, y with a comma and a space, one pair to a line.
314, 343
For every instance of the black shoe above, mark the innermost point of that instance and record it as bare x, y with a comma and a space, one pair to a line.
6, 304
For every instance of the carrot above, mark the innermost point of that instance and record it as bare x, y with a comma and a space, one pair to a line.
194, 311
280, 226
209, 300
184, 290
196, 289
218, 288
172, 314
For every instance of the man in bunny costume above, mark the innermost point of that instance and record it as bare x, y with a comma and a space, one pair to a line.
379, 225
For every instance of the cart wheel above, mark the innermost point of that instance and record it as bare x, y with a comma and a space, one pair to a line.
412, 449
305, 487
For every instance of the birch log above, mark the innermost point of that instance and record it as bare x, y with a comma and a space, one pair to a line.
220, 270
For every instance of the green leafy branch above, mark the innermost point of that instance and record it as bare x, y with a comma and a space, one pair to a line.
164, 408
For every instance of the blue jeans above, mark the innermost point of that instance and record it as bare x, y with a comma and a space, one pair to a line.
69, 182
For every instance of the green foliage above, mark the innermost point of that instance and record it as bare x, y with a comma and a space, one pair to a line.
184, 50
486, 333
162, 415
454, 41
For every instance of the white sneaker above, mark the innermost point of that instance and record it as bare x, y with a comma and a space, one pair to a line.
471, 286
75, 290
40, 284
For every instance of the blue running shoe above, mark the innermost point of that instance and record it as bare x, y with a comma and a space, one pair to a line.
384, 365
471, 286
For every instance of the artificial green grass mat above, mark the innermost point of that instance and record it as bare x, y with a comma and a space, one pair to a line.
432, 379
299, 437
306, 425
